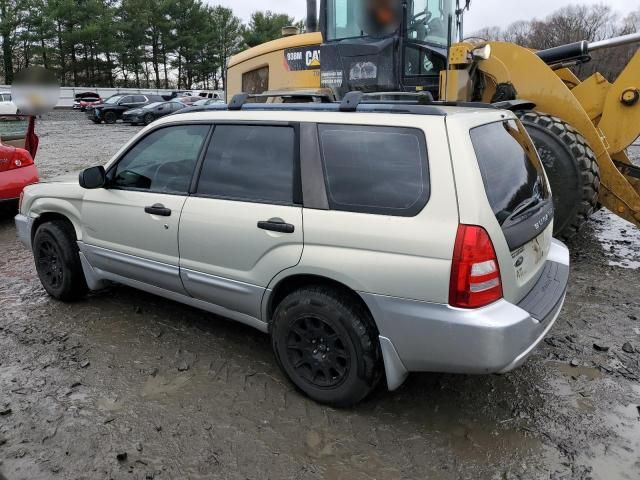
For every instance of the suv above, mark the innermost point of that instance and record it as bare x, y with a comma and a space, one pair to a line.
113, 107
367, 242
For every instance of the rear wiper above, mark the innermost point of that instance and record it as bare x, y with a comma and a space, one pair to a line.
524, 205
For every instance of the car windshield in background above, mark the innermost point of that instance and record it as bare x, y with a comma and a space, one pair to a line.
154, 104
114, 99
13, 128
511, 170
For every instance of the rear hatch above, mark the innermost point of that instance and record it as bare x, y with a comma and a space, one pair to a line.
519, 195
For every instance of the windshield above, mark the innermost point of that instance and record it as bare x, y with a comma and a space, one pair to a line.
428, 20
154, 104
114, 99
359, 18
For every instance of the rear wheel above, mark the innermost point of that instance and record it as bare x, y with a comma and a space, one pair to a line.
110, 117
572, 169
327, 345
148, 118
57, 261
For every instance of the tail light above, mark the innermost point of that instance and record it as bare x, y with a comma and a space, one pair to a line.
10, 159
475, 274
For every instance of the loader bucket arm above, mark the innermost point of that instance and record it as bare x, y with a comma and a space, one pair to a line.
608, 125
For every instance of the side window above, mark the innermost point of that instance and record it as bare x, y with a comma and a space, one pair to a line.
139, 99
250, 162
370, 169
127, 99
163, 161
256, 81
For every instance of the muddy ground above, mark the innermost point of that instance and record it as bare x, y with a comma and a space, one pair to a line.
125, 385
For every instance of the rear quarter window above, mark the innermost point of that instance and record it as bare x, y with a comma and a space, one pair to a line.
377, 170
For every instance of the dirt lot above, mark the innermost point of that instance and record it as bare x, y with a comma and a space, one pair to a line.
124, 385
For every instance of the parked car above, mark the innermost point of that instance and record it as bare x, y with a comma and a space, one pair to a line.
208, 101
7, 107
83, 100
368, 244
111, 109
151, 112
189, 101
18, 147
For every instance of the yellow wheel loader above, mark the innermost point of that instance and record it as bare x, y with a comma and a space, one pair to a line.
390, 47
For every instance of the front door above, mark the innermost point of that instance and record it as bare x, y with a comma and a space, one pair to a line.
244, 223
131, 227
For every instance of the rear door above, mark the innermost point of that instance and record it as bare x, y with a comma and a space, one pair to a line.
243, 224
518, 194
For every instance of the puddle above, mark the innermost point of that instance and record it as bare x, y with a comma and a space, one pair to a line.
588, 372
619, 460
620, 239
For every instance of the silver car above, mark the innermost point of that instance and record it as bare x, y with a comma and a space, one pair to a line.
368, 244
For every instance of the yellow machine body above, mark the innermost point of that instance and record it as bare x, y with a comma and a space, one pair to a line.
603, 112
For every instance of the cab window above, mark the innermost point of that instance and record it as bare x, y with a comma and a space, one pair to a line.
163, 161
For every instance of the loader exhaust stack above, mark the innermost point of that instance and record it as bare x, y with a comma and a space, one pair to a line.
312, 16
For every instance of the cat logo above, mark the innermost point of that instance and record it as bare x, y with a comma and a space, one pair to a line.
304, 58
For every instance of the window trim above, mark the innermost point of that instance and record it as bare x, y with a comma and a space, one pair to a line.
297, 180
412, 211
114, 165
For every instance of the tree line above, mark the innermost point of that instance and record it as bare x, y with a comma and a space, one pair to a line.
129, 43
573, 24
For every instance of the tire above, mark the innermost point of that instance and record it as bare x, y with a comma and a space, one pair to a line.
572, 169
110, 117
97, 122
148, 118
57, 261
327, 345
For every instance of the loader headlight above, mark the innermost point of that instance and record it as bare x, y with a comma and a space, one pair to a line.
482, 53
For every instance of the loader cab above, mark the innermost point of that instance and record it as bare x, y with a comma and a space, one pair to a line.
385, 45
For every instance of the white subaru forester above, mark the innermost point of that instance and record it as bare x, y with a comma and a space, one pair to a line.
368, 242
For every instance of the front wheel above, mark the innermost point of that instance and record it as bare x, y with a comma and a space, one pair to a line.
327, 345
571, 166
148, 118
110, 117
58, 262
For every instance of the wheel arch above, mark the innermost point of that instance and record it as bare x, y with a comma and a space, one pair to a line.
285, 285
50, 217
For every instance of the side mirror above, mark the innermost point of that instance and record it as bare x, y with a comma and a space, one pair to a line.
92, 178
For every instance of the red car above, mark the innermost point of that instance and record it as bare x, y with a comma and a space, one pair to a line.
84, 104
17, 169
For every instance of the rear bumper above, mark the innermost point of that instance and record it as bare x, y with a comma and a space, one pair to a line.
24, 225
14, 181
425, 337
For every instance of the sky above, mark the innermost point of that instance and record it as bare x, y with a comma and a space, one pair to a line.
484, 13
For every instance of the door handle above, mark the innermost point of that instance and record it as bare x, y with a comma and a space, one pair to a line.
274, 226
158, 209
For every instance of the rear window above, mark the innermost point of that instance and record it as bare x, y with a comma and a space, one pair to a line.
511, 170
379, 170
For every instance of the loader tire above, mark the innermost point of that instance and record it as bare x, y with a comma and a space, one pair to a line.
572, 169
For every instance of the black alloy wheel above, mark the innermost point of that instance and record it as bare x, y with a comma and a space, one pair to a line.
317, 352
49, 260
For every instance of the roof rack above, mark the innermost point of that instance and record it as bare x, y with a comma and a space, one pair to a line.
418, 103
